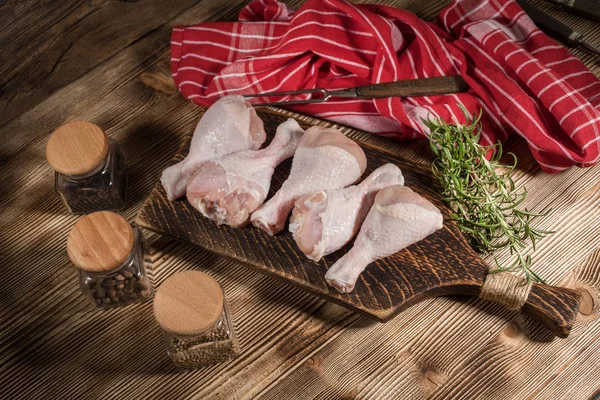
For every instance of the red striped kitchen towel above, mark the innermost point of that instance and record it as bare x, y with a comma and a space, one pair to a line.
524, 81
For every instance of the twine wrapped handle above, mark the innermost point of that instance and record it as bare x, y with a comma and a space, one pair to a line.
554, 307
507, 289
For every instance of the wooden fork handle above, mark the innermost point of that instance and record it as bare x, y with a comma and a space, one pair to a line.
414, 87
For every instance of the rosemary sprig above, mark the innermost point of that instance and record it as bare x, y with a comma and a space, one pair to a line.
482, 193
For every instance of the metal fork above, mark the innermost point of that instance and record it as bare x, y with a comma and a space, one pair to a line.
412, 87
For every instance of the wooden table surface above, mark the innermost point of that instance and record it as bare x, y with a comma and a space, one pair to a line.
107, 62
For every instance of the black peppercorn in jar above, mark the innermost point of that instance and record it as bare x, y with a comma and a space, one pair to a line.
90, 170
109, 254
193, 313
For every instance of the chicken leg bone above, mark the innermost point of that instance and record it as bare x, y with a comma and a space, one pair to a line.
229, 189
324, 221
398, 218
325, 159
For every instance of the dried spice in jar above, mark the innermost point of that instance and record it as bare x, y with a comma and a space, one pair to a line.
109, 254
90, 170
193, 313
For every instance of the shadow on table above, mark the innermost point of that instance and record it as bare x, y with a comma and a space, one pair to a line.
521, 324
148, 148
115, 343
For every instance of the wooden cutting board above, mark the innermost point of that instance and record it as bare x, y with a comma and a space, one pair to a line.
441, 264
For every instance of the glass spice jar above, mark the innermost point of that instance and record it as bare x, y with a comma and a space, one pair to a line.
90, 169
193, 313
109, 254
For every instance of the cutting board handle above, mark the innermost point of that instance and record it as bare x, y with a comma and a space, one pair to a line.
554, 307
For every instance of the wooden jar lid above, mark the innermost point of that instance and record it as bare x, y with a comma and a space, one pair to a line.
76, 148
100, 242
188, 303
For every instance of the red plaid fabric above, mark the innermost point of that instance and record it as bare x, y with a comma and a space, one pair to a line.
524, 81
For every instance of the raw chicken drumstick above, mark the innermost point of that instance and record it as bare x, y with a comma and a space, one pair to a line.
228, 126
399, 217
325, 159
324, 221
229, 189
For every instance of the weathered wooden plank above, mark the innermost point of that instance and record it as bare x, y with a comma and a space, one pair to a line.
525, 348
53, 43
443, 349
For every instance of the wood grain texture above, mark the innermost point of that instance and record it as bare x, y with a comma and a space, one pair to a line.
64, 40
76, 148
100, 242
420, 87
188, 303
294, 345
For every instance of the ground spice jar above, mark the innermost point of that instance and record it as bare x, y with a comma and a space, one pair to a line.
193, 313
90, 170
109, 255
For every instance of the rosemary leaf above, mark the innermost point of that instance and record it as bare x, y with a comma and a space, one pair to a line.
482, 193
